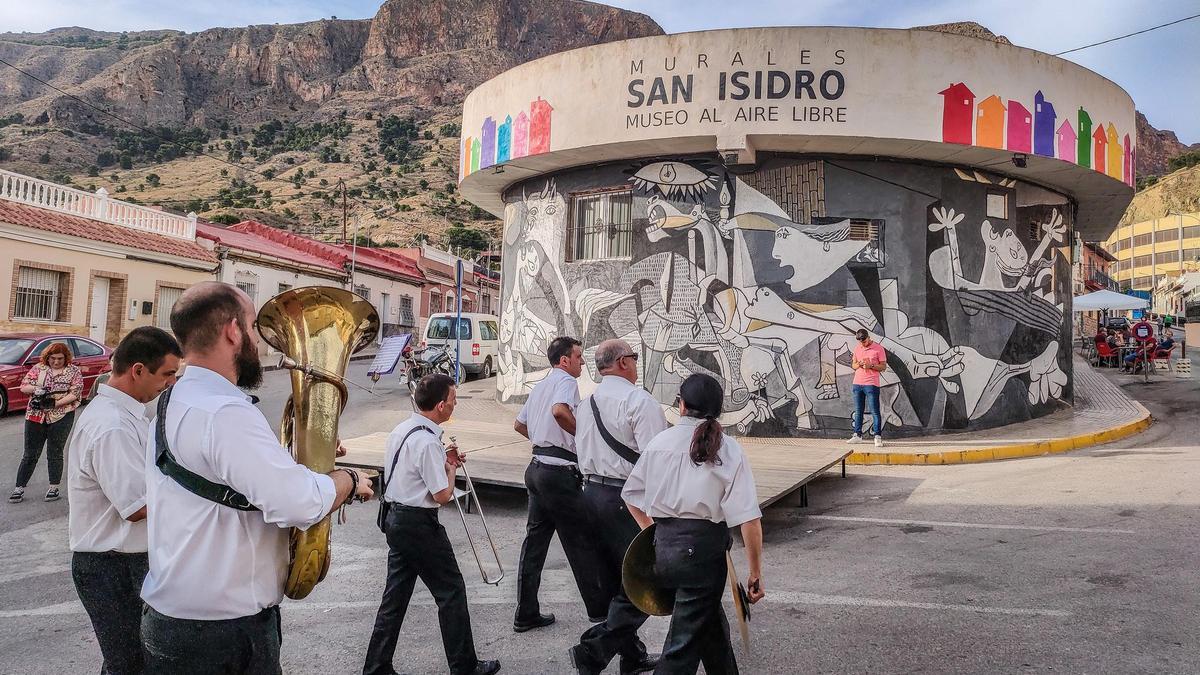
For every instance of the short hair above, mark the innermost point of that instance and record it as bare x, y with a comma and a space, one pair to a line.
559, 347
861, 334
146, 345
608, 353
200, 315
432, 390
54, 349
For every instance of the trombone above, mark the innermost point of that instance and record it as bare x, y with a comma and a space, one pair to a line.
470, 494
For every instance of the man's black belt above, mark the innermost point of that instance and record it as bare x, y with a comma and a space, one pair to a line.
604, 480
554, 451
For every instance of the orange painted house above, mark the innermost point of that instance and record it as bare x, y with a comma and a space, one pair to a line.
989, 124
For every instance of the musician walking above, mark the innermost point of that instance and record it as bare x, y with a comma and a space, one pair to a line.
695, 483
418, 478
612, 425
221, 493
554, 483
106, 485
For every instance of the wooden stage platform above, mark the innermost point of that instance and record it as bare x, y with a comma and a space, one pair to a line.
498, 455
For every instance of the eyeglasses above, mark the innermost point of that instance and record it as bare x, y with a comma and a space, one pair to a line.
629, 356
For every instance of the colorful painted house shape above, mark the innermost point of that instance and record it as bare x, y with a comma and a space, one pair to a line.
504, 141
539, 126
520, 146
989, 127
1020, 127
1101, 151
958, 109
1115, 153
1084, 129
1066, 141
474, 155
487, 151
1043, 126
466, 156
1127, 175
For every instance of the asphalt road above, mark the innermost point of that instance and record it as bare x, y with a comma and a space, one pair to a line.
1079, 563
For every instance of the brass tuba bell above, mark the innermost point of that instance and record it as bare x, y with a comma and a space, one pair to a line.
316, 328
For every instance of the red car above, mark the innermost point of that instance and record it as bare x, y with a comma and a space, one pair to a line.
19, 351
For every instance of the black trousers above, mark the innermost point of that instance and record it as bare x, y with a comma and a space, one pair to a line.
690, 557
615, 529
53, 437
556, 506
248, 644
109, 586
418, 547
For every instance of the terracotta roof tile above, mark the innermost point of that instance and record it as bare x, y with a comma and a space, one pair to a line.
96, 230
369, 258
253, 242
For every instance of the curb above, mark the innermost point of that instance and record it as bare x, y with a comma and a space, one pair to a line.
1049, 446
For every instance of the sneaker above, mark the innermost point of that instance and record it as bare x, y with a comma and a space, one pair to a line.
879, 441
18, 495
52, 494
855, 439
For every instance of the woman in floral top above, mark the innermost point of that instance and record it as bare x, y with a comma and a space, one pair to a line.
55, 388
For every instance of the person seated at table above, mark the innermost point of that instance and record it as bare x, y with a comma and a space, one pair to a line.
1164, 347
1114, 338
1136, 357
1100, 337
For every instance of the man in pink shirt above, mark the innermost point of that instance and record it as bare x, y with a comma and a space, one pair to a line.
869, 361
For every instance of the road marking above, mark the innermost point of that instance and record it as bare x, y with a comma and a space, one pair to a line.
61, 609
795, 598
980, 526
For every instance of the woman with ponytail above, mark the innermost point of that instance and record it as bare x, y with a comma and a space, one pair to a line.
695, 483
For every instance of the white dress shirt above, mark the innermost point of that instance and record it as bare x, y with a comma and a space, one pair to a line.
538, 412
421, 466
630, 414
106, 474
665, 483
209, 561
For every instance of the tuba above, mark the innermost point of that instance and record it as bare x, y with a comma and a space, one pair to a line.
316, 328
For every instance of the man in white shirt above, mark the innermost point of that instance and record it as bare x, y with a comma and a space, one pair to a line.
217, 568
609, 445
106, 489
555, 496
418, 478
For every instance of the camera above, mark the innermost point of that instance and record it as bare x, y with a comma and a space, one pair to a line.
42, 402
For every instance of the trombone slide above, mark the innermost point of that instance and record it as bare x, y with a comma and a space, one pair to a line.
468, 495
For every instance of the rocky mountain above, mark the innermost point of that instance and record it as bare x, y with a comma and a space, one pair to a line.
1157, 148
374, 103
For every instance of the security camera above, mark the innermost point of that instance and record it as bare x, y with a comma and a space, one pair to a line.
1019, 160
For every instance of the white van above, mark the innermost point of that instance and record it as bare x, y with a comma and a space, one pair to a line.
479, 335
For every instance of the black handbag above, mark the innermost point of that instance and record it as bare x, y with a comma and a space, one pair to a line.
384, 506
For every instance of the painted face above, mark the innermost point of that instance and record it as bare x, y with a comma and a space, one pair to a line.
674, 179
1011, 256
814, 253
528, 260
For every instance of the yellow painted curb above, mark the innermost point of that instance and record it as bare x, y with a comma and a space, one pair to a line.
1007, 451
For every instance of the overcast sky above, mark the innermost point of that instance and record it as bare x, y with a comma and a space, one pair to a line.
1161, 69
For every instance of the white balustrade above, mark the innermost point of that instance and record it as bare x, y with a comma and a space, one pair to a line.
96, 206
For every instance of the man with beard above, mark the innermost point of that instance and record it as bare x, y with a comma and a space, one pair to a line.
221, 493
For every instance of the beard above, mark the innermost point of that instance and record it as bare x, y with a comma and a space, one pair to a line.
248, 366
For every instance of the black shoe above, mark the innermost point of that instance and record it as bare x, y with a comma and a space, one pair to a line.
17, 496
645, 664
582, 661
486, 668
540, 621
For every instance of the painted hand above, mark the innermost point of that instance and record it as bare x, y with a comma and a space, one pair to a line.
1055, 229
945, 219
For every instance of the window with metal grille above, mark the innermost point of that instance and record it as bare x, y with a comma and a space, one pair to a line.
167, 297
249, 285
407, 318
39, 294
363, 292
435, 302
485, 304
601, 226
284, 287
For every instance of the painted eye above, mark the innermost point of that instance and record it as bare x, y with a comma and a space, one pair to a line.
533, 210
674, 179
551, 209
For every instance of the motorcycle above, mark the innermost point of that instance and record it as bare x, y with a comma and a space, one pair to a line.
423, 361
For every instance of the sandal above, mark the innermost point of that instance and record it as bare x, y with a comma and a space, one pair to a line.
52, 494
18, 495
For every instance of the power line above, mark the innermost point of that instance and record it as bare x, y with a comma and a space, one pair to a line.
169, 141
1122, 37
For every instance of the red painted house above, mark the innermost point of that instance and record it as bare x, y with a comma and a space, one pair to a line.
539, 126
1099, 149
958, 114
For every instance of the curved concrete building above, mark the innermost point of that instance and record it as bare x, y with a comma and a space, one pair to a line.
739, 202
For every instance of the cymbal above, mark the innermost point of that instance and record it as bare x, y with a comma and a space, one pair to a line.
638, 578
741, 602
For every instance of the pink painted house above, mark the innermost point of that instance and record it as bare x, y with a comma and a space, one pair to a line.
1066, 141
1020, 127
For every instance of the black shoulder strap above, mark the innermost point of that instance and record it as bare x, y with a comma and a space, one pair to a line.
626, 453
193, 483
383, 477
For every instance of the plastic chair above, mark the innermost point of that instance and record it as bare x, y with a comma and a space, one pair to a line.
1165, 356
1105, 354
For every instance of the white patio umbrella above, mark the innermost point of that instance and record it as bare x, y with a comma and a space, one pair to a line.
1107, 301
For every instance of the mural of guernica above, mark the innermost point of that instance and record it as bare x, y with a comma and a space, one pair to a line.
761, 279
